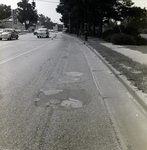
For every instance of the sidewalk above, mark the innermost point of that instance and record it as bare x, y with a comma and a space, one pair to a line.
95, 43
133, 54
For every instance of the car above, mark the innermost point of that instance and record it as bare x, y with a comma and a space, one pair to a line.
9, 34
51, 30
43, 32
19, 31
1, 31
35, 32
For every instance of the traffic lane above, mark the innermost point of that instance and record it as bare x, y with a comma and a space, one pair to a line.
22, 78
128, 116
79, 118
52, 102
26, 42
24, 66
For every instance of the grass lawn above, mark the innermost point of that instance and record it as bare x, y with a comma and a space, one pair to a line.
142, 48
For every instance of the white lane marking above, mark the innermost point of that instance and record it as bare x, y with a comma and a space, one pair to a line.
14, 57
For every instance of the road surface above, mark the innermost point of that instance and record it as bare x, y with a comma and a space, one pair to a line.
56, 94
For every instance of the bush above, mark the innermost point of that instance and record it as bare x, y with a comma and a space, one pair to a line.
118, 29
107, 35
107, 32
131, 31
140, 40
144, 31
123, 39
130, 36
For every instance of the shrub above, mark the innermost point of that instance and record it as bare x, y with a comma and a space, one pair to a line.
144, 31
107, 33
108, 38
140, 40
118, 29
123, 39
131, 31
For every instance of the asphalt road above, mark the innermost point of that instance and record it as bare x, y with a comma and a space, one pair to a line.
55, 94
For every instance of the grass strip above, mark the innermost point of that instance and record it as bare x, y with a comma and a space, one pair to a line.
135, 72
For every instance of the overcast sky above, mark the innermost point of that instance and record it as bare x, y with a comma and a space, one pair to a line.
47, 7
141, 3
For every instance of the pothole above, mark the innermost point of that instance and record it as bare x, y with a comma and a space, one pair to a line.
70, 102
62, 98
74, 74
71, 77
67, 79
51, 91
55, 101
74, 103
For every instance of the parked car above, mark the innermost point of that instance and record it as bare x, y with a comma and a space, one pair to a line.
43, 32
1, 31
51, 30
35, 32
19, 31
9, 34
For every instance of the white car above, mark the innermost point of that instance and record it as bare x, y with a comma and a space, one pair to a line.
43, 32
35, 32
1, 31
9, 34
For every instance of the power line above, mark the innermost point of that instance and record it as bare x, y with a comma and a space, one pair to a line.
47, 1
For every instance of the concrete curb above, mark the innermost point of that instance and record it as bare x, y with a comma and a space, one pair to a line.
137, 94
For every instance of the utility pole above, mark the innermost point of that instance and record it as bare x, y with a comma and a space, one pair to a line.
14, 17
85, 19
69, 22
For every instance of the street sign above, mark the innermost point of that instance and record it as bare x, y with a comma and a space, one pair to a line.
14, 15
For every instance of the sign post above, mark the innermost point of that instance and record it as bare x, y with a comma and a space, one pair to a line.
14, 17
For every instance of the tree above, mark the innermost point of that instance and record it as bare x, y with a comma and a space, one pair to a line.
136, 19
45, 21
72, 14
97, 13
5, 11
26, 13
